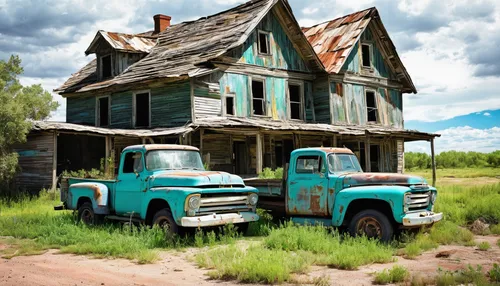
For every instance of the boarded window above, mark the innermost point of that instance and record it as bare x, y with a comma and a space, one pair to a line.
258, 98
106, 66
366, 55
371, 106
142, 110
229, 104
103, 112
264, 43
308, 164
132, 162
294, 91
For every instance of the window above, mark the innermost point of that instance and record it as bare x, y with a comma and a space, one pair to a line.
173, 160
229, 104
366, 55
142, 109
258, 97
295, 101
371, 106
343, 163
132, 162
264, 43
308, 165
106, 69
103, 111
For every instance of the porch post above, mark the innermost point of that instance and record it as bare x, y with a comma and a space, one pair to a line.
54, 162
367, 153
259, 154
107, 146
433, 163
201, 141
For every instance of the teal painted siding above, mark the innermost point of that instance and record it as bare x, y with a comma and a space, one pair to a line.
355, 103
171, 105
237, 84
338, 102
309, 102
321, 96
391, 106
352, 63
121, 110
81, 110
276, 102
283, 53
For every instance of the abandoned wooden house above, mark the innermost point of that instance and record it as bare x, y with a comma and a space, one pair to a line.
246, 86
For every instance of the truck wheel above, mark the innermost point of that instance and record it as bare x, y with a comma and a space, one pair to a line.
242, 227
164, 219
87, 216
371, 223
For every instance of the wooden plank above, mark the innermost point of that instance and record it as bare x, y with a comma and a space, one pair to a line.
259, 153
433, 163
368, 166
54, 162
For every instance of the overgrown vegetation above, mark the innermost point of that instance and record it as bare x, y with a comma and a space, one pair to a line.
453, 160
484, 246
468, 276
105, 172
394, 275
268, 173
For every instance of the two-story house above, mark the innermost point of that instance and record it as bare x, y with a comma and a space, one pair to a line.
246, 86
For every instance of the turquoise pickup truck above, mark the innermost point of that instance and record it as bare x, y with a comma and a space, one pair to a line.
165, 185
327, 186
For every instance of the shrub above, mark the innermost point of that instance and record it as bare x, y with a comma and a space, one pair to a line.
483, 246
394, 275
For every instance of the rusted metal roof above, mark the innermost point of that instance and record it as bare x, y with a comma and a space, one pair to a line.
334, 40
130, 43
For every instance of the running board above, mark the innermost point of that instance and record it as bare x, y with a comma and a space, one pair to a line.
124, 218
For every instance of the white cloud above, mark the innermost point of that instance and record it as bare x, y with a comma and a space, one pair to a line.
487, 114
464, 138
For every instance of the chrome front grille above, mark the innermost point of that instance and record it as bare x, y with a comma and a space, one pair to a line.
419, 201
226, 204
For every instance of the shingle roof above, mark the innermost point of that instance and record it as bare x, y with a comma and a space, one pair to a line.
138, 43
85, 76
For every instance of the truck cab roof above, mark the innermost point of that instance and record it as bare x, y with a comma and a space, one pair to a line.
327, 150
148, 147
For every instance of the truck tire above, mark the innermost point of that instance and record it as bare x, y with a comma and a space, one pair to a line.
373, 224
242, 227
87, 215
164, 219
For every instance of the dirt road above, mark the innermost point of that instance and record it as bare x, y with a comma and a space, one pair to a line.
175, 269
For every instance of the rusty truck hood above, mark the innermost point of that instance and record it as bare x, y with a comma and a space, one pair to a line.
191, 178
367, 179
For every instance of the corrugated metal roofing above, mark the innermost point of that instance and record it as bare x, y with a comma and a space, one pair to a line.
139, 43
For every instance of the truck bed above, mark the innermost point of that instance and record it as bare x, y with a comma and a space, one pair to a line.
271, 195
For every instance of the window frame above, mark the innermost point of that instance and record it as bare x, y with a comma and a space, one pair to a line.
124, 161
300, 84
264, 98
224, 104
268, 42
112, 68
98, 110
134, 108
321, 166
370, 55
377, 119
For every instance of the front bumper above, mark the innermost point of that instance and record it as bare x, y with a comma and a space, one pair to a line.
219, 219
421, 218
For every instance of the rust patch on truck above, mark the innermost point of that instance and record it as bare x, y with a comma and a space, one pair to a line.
315, 205
94, 188
341, 210
331, 191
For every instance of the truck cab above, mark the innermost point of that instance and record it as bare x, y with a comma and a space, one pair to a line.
328, 186
165, 185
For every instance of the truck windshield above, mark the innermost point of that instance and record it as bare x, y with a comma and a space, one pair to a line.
343, 163
173, 160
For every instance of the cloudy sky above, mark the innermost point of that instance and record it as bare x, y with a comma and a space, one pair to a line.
450, 48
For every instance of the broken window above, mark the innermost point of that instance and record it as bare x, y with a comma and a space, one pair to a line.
258, 98
106, 70
366, 55
295, 94
264, 43
103, 111
132, 162
229, 107
142, 110
308, 164
371, 106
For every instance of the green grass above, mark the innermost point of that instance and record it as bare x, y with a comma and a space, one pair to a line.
394, 275
484, 246
468, 276
457, 173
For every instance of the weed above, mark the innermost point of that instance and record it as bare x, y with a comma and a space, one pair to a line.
495, 273
461, 277
322, 280
394, 275
495, 229
447, 232
268, 173
484, 246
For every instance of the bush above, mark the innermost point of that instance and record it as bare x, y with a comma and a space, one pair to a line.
483, 246
394, 275
268, 173
453, 159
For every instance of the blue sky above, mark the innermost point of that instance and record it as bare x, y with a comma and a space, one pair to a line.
449, 47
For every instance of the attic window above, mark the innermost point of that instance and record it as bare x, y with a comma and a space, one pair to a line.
371, 106
264, 43
258, 97
366, 52
106, 70
229, 104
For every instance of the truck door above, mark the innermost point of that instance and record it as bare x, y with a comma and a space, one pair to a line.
130, 186
307, 185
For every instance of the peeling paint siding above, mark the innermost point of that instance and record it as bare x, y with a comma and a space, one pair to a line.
171, 105
81, 110
276, 98
338, 102
206, 103
309, 102
283, 53
121, 110
355, 103
353, 61
239, 85
321, 100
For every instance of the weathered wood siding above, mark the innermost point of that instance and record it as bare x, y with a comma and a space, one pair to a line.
171, 105
321, 95
239, 85
283, 53
276, 102
219, 147
124, 60
121, 110
207, 99
81, 110
355, 103
310, 115
35, 161
391, 106
337, 100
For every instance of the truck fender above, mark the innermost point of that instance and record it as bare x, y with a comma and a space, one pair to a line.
97, 193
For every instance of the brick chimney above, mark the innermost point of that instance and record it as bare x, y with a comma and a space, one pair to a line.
161, 22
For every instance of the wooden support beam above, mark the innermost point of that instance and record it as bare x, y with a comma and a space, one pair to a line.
368, 166
201, 141
433, 163
258, 168
54, 162
107, 152
334, 140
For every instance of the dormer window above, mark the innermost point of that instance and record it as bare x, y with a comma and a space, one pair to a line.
106, 67
366, 53
263, 43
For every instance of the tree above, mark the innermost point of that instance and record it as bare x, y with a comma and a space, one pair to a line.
18, 105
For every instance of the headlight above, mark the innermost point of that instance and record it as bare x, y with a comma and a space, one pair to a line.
433, 197
193, 202
252, 199
407, 198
